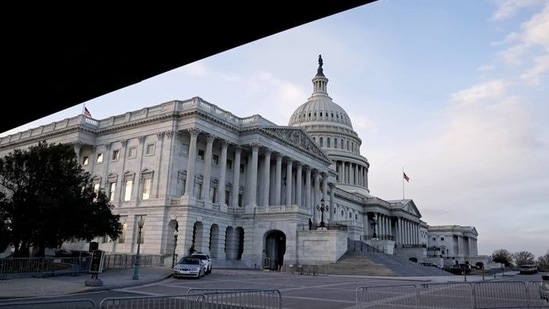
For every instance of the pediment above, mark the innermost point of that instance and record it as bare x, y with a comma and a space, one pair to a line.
408, 206
298, 138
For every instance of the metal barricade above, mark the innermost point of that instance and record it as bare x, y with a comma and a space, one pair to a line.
445, 295
473, 295
246, 298
386, 296
500, 294
534, 297
50, 304
190, 301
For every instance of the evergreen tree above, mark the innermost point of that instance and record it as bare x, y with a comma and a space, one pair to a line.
50, 199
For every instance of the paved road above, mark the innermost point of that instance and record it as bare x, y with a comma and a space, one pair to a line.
298, 291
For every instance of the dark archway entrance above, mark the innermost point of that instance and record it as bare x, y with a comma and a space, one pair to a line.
275, 247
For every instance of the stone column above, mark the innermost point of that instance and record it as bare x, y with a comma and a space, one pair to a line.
299, 185
266, 177
207, 168
252, 201
278, 179
236, 176
330, 217
308, 203
191, 163
222, 173
289, 163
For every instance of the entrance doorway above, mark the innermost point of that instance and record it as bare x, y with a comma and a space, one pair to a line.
275, 248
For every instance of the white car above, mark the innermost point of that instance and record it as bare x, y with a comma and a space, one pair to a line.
206, 261
189, 267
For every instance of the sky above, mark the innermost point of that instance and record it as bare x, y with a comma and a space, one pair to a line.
453, 93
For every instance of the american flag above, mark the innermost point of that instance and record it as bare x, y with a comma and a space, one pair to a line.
87, 112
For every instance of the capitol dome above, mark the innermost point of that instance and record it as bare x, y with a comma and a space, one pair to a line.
330, 127
320, 108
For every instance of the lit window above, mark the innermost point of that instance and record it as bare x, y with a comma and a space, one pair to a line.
112, 190
128, 190
100, 158
122, 236
116, 154
85, 160
146, 188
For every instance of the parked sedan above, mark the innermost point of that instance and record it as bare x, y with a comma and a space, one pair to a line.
189, 267
206, 261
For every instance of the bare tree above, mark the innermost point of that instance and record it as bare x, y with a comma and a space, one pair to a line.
502, 256
523, 258
543, 262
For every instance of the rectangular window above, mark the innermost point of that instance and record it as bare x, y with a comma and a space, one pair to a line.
149, 150
227, 196
442, 238
241, 168
201, 154
115, 155
122, 236
213, 194
181, 187
99, 158
146, 188
112, 190
197, 190
216, 159
86, 160
184, 149
132, 152
230, 164
128, 190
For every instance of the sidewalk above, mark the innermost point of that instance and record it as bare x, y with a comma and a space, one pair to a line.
62, 285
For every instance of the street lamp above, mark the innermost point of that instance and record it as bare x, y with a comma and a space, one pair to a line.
322, 208
140, 224
175, 233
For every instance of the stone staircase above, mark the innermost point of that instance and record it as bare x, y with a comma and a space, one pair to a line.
395, 265
353, 263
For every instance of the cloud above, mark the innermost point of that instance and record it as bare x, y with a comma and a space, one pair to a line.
509, 8
531, 47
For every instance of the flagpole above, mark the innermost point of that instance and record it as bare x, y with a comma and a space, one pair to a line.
403, 183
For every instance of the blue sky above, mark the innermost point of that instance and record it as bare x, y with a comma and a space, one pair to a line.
454, 92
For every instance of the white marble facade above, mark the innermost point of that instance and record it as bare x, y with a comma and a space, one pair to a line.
238, 188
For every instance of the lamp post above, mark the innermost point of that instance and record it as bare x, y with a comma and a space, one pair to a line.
174, 245
322, 208
140, 224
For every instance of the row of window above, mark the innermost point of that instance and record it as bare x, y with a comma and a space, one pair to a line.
343, 144
115, 154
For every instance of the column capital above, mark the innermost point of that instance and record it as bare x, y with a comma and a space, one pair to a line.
210, 137
194, 131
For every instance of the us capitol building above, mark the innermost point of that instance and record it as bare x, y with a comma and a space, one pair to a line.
245, 190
